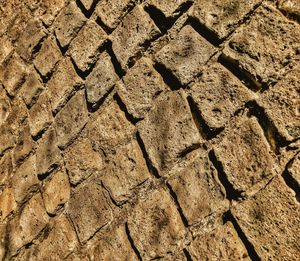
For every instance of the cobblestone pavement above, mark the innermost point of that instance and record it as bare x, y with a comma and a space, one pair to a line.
142, 130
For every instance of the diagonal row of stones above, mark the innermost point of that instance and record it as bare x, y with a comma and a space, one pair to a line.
62, 67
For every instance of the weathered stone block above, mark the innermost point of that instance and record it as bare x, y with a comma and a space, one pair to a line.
6, 169
294, 169
40, 114
5, 106
101, 80
82, 161
198, 190
168, 130
186, 55
68, 23
12, 74
126, 169
264, 46
270, 221
223, 243
245, 154
89, 210
281, 104
62, 84
6, 46
109, 128
218, 95
222, 17
25, 180
128, 39
30, 37
56, 192
7, 202
111, 12
86, 44
28, 224
291, 7
48, 56
48, 154
155, 225
140, 86
71, 119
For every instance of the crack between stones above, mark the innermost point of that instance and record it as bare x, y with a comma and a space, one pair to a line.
136, 251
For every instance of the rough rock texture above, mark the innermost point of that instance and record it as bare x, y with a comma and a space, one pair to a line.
150, 129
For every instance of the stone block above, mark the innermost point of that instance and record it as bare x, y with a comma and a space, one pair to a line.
71, 119
47, 57
89, 210
155, 225
294, 169
290, 7
68, 23
6, 46
270, 220
6, 169
137, 28
245, 154
218, 95
140, 87
168, 130
85, 46
7, 202
82, 161
186, 55
101, 80
5, 106
262, 48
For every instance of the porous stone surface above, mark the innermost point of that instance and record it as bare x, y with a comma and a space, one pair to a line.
146, 129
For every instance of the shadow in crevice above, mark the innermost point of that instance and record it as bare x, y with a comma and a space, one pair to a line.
136, 251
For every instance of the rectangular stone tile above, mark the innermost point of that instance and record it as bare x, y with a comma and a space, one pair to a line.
265, 46
86, 44
71, 119
245, 154
155, 225
168, 130
128, 39
68, 23
140, 87
185, 55
89, 210
270, 221
218, 95
198, 189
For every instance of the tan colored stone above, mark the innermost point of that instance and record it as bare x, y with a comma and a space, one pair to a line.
282, 103
291, 7
28, 224
167, 8
86, 44
25, 180
40, 114
265, 46
31, 88
56, 192
294, 169
168, 130
68, 23
62, 84
186, 55
47, 57
198, 190
271, 221
128, 39
82, 161
101, 80
48, 154
6, 47
5, 106
223, 243
111, 13
3, 240
30, 37
245, 155
155, 225
222, 16
126, 169
139, 88
12, 74
7, 202
6, 169
89, 210
109, 128
7, 140
113, 243
71, 119
218, 95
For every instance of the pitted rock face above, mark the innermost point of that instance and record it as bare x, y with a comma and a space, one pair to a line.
149, 129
